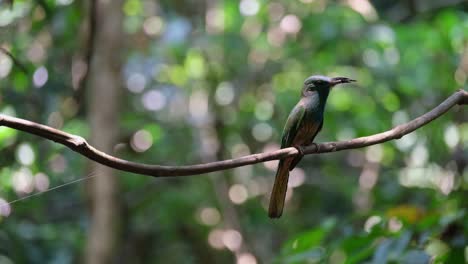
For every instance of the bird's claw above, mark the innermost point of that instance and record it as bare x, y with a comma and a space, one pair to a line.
300, 149
316, 146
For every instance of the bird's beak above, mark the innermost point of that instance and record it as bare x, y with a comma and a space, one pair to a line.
338, 80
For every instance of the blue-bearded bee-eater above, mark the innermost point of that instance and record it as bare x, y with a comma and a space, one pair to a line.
303, 124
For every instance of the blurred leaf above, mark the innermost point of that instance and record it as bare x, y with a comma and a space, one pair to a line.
304, 246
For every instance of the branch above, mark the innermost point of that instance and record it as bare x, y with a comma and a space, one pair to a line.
79, 144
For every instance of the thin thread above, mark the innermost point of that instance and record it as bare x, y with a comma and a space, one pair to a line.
91, 175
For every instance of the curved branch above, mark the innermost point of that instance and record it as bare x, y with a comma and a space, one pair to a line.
78, 144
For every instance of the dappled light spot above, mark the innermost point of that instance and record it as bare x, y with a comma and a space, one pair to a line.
232, 239
264, 110
209, 143
390, 101
240, 150
365, 8
58, 163
25, 154
224, 94
371, 222
371, 58
369, 176
5, 65
251, 29
5, 208
209, 216
154, 100
249, 7
177, 30
400, 117
238, 193
36, 52
258, 57
346, 133
394, 224
374, 153
431, 176
69, 107
6, 16
55, 120
276, 11
296, 178
178, 107
338, 256
141, 141
435, 248
119, 147
262, 132
446, 182
383, 34
263, 184
391, 55
215, 238
40, 77
406, 142
133, 7
276, 36
214, 20
355, 158
272, 164
246, 258
362, 201
41, 182
460, 76
419, 155
291, 24
198, 105
64, 2
451, 136
243, 173
136, 82
253, 188
195, 65
22, 181
153, 26
413, 177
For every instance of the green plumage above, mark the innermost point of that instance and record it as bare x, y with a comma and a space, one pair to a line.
303, 124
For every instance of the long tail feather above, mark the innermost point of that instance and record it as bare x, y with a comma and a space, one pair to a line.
278, 194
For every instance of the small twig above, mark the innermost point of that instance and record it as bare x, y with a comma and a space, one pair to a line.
78, 144
16, 62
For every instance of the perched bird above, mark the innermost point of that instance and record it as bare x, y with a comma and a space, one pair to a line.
303, 124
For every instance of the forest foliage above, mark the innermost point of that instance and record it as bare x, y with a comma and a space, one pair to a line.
211, 81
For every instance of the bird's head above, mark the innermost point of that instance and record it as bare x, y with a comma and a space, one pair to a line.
318, 83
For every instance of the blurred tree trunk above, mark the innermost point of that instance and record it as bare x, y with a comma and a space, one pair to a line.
103, 114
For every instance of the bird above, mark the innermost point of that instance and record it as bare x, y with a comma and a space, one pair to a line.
304, 122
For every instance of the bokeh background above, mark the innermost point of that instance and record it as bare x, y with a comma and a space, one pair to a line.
191, 81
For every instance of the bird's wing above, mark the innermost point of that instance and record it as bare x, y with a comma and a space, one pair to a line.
318, 130
292, 125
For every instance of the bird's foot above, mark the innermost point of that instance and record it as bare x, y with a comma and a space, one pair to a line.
300, 149
317, 146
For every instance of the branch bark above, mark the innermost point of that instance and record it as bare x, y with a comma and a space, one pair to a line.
79, 144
